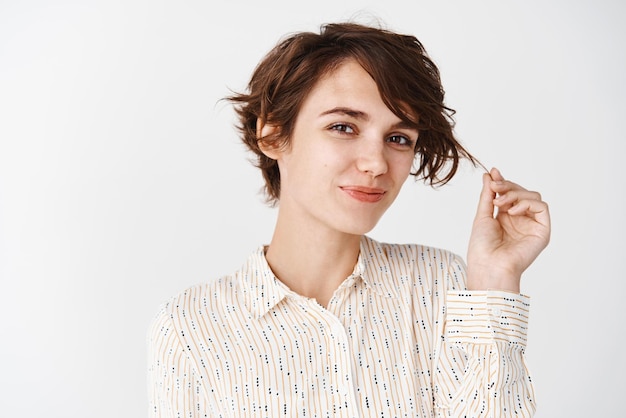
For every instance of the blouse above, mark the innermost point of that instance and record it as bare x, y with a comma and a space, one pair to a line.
400, 337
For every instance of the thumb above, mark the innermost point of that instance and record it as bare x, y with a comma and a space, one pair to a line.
485, 202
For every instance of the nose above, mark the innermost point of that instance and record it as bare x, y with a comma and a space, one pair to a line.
371, 158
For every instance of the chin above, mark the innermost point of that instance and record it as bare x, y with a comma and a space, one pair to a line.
359, 228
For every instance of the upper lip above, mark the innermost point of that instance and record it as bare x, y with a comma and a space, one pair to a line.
364, 189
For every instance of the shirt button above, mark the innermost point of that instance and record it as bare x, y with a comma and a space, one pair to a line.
497, 312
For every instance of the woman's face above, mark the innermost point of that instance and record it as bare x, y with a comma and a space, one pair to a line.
348, 157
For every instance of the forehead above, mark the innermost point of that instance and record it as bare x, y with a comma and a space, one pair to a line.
348, 84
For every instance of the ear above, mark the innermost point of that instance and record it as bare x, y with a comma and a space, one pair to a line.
264, 130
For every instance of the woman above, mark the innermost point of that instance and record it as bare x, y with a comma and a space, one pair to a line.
325, 320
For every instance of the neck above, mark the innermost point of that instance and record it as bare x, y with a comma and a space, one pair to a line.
311, 262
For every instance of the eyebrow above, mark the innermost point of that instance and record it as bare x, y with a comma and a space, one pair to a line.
358, 114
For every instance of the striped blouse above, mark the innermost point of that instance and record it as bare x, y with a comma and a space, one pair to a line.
401, 337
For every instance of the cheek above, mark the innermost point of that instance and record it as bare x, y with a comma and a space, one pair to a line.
402, 167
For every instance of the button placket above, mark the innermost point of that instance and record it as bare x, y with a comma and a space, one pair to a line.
341, 343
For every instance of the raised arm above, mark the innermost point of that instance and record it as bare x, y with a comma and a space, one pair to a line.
481, 370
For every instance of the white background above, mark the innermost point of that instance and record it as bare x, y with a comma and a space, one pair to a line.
122, 180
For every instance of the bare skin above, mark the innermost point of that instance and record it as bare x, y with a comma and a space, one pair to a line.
327, 261
511, 228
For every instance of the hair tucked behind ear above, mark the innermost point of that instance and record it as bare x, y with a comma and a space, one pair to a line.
407, 79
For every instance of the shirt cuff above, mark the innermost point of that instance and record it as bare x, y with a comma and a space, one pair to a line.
482, 317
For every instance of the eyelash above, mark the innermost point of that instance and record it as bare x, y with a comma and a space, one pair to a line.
342, 128
407, 141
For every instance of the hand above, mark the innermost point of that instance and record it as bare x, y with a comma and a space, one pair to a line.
501, 247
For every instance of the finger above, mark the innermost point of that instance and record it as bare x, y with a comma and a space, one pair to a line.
496, 175
511, 197
485, 201
530, 207
504, 186
500, 185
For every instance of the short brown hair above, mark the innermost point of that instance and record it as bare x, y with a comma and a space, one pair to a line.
407, 79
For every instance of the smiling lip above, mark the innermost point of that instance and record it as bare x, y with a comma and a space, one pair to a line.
364, 194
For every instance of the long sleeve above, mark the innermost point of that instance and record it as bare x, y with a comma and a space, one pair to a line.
172, 388
481, 370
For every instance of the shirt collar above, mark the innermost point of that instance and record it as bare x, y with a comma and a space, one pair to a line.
375, 267
262, 290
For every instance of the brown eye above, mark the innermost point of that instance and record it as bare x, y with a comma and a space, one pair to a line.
400, 140
342, 127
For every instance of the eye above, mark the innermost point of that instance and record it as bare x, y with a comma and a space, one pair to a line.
343, 128
401, 140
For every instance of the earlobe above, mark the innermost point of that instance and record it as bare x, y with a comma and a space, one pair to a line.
263, 130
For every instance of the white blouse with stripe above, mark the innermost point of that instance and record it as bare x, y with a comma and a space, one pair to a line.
401, 337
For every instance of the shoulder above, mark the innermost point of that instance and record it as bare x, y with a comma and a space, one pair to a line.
198, 308
415, 264
201, 296
411, 253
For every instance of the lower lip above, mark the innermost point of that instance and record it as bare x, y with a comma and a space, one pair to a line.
363, 196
